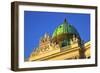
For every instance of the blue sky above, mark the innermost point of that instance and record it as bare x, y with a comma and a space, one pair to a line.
36, 24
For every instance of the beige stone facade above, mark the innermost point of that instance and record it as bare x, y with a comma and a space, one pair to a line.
49, 50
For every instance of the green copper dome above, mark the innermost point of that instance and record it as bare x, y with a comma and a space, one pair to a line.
65, 28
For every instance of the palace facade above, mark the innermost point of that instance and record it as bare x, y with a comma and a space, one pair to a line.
64, 44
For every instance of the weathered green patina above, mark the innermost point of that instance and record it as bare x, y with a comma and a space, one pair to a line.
65, 28
64, 33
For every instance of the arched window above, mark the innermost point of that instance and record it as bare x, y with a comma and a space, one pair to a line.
64, 43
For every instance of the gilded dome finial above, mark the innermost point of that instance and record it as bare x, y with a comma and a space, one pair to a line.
65, 25
65, 20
